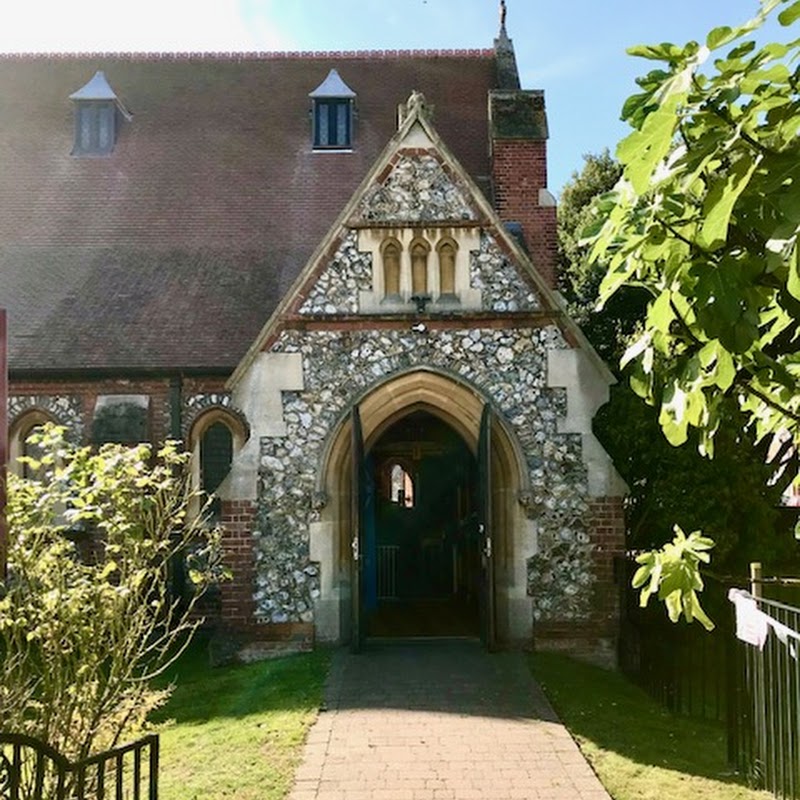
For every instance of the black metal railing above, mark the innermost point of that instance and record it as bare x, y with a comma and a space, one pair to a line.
753, 688
32, 770
687, 669
767, 746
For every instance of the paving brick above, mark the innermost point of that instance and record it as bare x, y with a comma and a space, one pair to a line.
439, 720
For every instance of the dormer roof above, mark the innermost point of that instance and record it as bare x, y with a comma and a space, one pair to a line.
98, 88
332, 86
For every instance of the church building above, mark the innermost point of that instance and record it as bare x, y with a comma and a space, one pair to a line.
333, 276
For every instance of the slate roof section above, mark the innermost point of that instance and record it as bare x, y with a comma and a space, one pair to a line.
172, 252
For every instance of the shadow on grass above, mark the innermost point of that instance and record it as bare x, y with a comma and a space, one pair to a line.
203, 693
612, 713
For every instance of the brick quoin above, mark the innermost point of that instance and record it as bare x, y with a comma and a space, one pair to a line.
519, 171
607, 534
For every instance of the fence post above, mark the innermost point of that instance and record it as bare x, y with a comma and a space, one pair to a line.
755, 579
733, 682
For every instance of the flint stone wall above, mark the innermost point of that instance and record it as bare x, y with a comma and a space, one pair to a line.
66, 410
337, 288
507, 366
418, 189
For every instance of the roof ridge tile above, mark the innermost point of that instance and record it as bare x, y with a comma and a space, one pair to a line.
259, 55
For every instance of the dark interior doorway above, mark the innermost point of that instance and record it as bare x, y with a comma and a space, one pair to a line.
422, 565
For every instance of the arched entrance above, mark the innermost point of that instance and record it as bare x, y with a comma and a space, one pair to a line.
454, 417
421, 569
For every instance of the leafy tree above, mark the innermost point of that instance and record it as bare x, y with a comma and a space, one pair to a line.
730, 498
705, 219
86, 614
580, 277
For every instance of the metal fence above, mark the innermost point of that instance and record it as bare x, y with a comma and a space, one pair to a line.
687, 669
753, 687
768, 702
32, 770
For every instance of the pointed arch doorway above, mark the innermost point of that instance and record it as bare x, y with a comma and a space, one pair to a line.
421, 548
454, 431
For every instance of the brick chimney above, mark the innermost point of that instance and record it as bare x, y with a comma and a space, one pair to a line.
518, 147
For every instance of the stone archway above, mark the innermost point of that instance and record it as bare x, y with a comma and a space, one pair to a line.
459, 406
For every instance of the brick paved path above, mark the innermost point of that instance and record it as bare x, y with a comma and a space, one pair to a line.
439, 721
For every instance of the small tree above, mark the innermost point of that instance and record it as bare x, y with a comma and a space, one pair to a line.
705, 219
667, 485
86, 615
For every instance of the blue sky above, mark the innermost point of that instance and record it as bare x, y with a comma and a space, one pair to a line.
575, 51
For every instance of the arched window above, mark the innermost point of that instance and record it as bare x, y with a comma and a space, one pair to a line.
399, 485
20, 431
391, 269
447, 269
419, 269
215, 437
216, 456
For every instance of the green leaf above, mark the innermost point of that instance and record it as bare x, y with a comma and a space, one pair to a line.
720, 36
793, 281
790, 15
721, 200
643, 150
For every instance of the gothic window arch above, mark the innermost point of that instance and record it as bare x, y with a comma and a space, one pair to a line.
397, 483
446, 251
215, 438
18, 444
390, 256
419, 267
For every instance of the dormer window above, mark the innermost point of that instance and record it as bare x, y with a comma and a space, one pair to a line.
97, 112
333, 102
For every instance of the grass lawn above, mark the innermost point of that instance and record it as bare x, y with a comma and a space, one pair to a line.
639, 750
237, 731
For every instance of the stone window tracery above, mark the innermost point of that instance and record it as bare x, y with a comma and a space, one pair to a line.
427, 268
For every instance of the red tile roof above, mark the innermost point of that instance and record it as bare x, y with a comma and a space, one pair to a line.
172, 252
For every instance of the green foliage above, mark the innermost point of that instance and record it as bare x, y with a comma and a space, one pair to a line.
86, 616
706, 220
732, 498
578, 216
673, 575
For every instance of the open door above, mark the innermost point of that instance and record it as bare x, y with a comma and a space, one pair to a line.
487, 621
357, 516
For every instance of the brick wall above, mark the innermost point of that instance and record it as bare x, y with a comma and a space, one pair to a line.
157, 389
237, 606
595, 637
519, 171
607, 532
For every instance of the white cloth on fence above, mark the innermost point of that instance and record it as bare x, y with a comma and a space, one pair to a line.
753, 624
